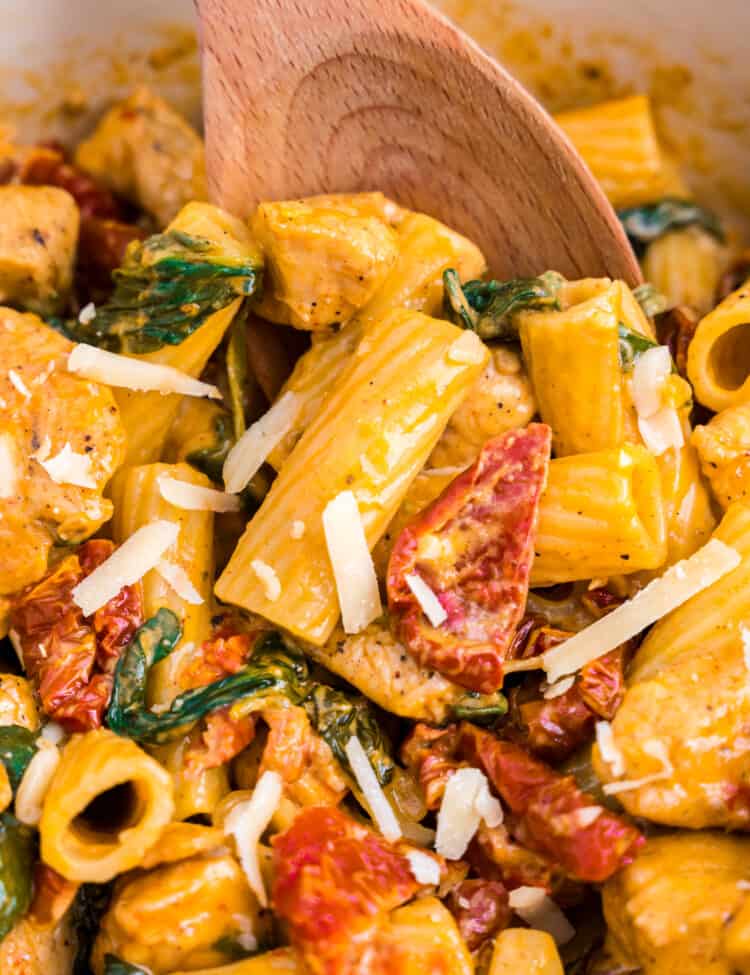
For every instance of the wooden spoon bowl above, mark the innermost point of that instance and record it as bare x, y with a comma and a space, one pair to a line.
316, 96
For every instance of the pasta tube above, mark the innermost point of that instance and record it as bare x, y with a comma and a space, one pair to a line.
685, 265
713, 616
138, 501
147, 417
106, 806
618, 142
719, 354
573, 362
601, 514
371, 436
281, 961
687, 504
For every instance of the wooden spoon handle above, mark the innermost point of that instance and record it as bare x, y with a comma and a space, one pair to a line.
307, 97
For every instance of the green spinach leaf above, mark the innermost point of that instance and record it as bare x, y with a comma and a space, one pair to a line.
167, 287
89, 906
17, 748
114, 966
631, 345
646, 223
489, 307
17, 855
481, 709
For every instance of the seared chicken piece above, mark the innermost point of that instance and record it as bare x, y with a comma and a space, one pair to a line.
501, 400
38, 237
723, 446
32, 950
147, 152
681, 907
322, 264
50, 417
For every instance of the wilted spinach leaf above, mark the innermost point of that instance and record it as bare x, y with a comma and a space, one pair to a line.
114, 966
17, 748
631, 345
489, 307
646, 223
17, 855
481, 709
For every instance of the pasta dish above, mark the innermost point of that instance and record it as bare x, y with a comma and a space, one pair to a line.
362, 613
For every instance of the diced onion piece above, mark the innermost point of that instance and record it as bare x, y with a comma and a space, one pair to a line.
267, 578
458, 818
179, 580
651, 371
425, 868
427, 599
468, 349
126, 565
656, 749
69, 467
608, 749
8, 467
377, 801
35, 783
247, 456
124, 371
195, 497
353, 569
662, 430
247, 822
539, 911
678, 584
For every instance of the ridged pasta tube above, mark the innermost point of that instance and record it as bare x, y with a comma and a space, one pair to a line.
106, 806
371, 437
719, 354
685, 265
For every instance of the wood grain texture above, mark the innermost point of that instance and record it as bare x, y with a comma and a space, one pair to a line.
344, 95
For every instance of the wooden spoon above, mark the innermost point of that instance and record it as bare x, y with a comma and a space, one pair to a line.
321, 96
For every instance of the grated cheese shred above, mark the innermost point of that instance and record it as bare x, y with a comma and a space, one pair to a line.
195, 497
179, 581
247, 822
129, 373
248, 455
126, 565
466, 802
427, 599
425, 868
68, 467
353, 569
267, 577
8, 468
538, 910
609, 751
376, 800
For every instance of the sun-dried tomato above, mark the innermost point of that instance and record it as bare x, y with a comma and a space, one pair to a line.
601, 601
473, 547
676, 328
222, 738
102, 242
481, 910
47, 166
335, 882
553, 815
495, 855
71, 658
225, 652
431, 755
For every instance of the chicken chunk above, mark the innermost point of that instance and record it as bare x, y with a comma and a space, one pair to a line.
146, 151
687, 724
323, 264
501, 400
723, 446
383, 670
38, 237
32, 950
680, 907
189, 915
55, 418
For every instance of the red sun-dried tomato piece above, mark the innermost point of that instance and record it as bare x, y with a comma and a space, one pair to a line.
481, 910
335, 882
473, 547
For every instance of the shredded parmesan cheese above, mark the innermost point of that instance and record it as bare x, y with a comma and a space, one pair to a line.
539, 911
179, 580
661, 431
650, 373
656, 749
194, 497
609, 751
35, 783
466, 802
425, 868
745, 635
468, 349
124, 371
353, 569
676, 586
8, 468
267, 578
247, 822
445, 471
20, 385
377, 801
69, 467
247, 456
427, 599
87, 313
297, 530
559, 688
53, 732
126, 565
